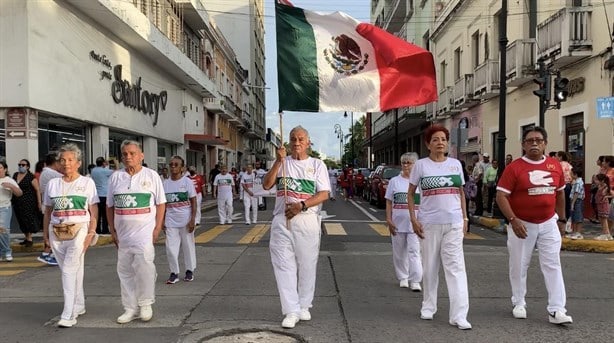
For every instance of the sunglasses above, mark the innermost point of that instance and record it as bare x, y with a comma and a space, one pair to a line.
22, 165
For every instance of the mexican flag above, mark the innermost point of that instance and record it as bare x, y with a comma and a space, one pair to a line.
332, 62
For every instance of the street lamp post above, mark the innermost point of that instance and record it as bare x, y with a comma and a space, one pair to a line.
339, 133
345, 114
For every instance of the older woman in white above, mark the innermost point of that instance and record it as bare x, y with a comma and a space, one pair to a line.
8, 189
71, 199
405, 243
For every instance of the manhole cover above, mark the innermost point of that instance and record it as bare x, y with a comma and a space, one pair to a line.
260, 336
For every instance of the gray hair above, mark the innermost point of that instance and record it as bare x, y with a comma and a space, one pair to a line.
300, 128
131, 142
71, 147
409, 156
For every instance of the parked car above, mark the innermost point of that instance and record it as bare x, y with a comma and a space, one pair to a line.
379, 181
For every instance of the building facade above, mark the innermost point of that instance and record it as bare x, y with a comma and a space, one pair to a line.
571, 37
97, 72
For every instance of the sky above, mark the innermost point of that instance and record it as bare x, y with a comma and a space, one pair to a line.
320, 125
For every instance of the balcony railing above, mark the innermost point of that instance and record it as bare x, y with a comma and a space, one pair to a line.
463, 92
444, 103
214, 105
566, 35
486, 79
520, 62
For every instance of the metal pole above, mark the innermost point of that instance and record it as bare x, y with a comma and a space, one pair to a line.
395, 158
542, 103
370, 139
501, 138
352, 138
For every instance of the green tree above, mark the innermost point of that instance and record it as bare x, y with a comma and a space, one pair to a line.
357, 136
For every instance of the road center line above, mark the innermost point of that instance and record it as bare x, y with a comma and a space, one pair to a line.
373, 219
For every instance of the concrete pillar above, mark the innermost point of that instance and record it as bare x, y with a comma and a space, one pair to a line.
100, 142
150, 149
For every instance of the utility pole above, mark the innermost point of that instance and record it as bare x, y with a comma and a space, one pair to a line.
543, 93
501, 138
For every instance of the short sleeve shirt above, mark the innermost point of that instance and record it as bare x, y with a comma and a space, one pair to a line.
304, 178
396, 192
70, 201
178, 206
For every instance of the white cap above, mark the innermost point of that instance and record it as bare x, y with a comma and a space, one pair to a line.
486, 154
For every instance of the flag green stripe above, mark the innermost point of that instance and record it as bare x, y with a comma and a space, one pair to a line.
297, 69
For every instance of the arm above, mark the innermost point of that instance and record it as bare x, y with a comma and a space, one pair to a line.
269, 179
111, 220
14, 188
91, 229
504, 205
191, 224
560, 204
295, 208
391, 227
39, 200
160, 209
411, 205
46, 220
464, 209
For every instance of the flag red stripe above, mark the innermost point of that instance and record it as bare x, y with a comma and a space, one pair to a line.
407, 72
285, 2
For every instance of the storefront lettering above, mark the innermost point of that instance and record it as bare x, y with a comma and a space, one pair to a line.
132, 96
100, 58
105, 75
575, 86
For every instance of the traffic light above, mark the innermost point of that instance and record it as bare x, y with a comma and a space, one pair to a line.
544, 87
560, 89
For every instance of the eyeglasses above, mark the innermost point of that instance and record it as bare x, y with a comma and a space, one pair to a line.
22, 165
534, 140
174, 164
407, 162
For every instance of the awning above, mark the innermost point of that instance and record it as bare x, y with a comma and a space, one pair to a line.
206, 139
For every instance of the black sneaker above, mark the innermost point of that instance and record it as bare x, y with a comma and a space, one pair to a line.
172, 279
189, 276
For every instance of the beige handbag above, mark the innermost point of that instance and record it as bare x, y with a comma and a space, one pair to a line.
66, 231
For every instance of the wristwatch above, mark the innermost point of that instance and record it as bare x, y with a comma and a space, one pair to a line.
303, 207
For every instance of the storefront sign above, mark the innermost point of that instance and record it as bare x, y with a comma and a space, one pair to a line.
605, 107
101, 58
132, 96
575, 86
15, 133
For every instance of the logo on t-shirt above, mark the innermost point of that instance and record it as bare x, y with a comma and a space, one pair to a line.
178, 199
399, 200
133, 203
543, 179
441, 184
70, 205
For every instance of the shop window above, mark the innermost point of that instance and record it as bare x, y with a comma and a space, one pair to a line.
53, 132
574, 140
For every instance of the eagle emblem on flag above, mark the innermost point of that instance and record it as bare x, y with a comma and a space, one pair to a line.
345, 56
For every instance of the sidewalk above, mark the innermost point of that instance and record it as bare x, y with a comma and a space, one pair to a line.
588, 244
16, 237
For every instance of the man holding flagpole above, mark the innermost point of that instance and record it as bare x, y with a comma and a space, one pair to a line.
302, 185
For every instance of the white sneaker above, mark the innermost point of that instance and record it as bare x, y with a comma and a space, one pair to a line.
230, 222
248, 223
559, 318
426, 316
9, 258
404, 284
127, 317
415, 287
79, 313
304, 315
67, 323
146, 313
462, 324
576, 235
603, 237
290, 321
519, 312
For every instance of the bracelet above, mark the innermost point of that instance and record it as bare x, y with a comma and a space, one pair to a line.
466, 219
511, 219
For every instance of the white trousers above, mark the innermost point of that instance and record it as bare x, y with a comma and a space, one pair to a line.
250, 204
294, 255
406, 256
547, 238
333, 191
443, 245
70, 257
199, 203
137, 275
224, 210
177, 238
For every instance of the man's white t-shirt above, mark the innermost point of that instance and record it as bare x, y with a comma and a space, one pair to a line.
134, 199
70, 201
178, 206
248, 181
440, 184
224, 185
304, 178
46, 175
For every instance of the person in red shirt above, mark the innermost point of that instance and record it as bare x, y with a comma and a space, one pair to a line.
531, 195
199, 183
359, 182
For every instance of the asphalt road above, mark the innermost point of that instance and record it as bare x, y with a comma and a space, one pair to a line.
357, 295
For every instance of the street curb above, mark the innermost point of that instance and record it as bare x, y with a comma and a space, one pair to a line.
582, 245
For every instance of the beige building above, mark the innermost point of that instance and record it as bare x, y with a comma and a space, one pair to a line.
571, 37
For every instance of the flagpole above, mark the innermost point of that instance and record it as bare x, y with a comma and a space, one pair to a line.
283, 165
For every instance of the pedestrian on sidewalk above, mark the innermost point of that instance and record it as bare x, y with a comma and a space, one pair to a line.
478, 174
224, 192
71, 200
180, 221
8, 189
302, 185
602, 198
442, 225
531, 195
52, 170
28, 206
564, 158
577, 205
490, 180
333, 185
135, 208
250, 201
405, 243
199, 184
100, 174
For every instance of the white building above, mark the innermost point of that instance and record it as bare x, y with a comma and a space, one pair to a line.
98, 72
